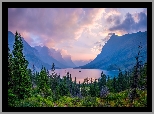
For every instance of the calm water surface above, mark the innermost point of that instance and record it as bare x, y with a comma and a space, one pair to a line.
80, 76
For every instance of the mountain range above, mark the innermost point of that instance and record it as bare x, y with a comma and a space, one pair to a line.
41, 56
81, 62
120, 52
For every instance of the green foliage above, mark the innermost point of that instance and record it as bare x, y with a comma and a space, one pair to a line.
114, 85
43, 83
37, 101
143, 77
19, 82
102, 81
137, 70
109, 84
89, 101
12, 98
121, 82
27, 88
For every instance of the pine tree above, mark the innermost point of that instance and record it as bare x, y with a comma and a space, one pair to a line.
126, 80
22, 83
53, 70
109, 83
43, 83
135, 83
10, 68
31, 76
102, 81
11, 95
120, 81
143, 77
114, 84
34, 76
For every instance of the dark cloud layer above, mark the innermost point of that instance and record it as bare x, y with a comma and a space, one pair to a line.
129, 23
113, 19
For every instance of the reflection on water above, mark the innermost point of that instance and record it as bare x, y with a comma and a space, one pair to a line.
80, 76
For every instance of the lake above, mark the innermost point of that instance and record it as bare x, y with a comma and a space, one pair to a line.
80, 76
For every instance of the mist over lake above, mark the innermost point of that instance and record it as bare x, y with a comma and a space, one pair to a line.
80, 76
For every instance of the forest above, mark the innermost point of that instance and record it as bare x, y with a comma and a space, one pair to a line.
29, 88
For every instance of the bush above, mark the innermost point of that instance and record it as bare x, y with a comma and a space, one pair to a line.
38, 101
89, 101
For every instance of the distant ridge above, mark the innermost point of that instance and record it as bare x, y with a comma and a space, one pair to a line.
120, 52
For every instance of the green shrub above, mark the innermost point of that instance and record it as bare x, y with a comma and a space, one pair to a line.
89, 101
38, 101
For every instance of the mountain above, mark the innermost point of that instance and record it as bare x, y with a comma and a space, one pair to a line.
68, 60
30, 53
120, 52
58, 56
81, 62
65, 62
46, 56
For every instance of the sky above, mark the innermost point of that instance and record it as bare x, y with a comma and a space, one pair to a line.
77, 32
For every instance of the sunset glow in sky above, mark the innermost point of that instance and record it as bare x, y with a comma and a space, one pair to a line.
79, 32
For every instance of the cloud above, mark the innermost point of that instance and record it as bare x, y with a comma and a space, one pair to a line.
97, 42
91, 15
126, 24
55, 25
113, 19
97, 48
68, 46
145, 10
76, 30
130, 25
111, 12
64, 53
110, 34
142, 21
104, 40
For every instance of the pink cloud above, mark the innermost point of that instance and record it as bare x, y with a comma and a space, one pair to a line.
64, 53
56, 27
56, 24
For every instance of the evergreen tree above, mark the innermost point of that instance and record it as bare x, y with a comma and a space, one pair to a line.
34, 76
43, 83
11, 95
83, 89
31, 76
126, 81
109, 84
135, 83
102, 81
22, 83
143, 77
48, 74
120, 81
114, 84
10, 69
53, 70
63, 87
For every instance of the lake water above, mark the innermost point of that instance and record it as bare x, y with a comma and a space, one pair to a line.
90, 73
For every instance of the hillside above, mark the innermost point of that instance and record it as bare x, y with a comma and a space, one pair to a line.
31, 54
51, 54
120, 52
